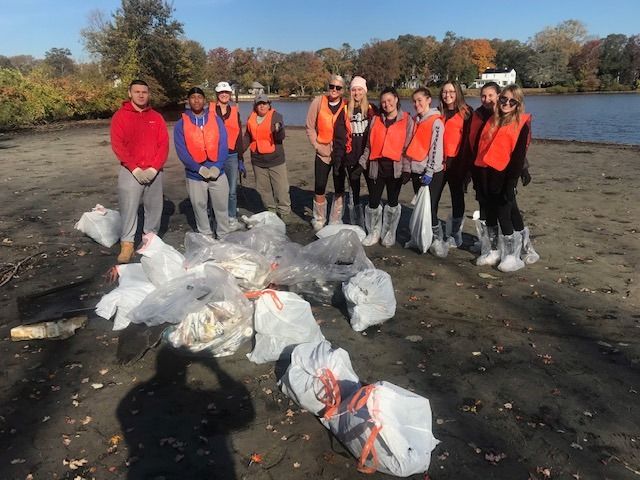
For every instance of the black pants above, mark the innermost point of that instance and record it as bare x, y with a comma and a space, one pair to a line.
322, 177
354, 183
376, 187
496, 193
436, 187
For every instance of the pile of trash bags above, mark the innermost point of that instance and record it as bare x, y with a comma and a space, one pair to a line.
255, 285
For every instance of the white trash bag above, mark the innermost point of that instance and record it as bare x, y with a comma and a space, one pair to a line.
219, 327
101, 224
329, 230
319, 377
282, 320
387, 428
249, 267
420, 223
160, 261
264, 218
133, 287
370, 298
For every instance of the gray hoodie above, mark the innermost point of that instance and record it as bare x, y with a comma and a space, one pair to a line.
433, 162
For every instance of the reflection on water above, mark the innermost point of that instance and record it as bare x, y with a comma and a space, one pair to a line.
609, 118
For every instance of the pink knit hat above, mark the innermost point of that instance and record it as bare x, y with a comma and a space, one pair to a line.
359, 82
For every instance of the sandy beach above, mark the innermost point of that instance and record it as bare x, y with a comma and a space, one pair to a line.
534, 374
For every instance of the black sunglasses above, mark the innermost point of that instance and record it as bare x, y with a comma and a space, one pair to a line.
511, 101
335, 87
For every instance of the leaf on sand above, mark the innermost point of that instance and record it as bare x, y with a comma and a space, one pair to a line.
487, 276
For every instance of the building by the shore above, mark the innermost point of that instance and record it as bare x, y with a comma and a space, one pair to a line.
502, 76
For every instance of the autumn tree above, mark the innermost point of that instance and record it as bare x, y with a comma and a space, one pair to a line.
631, 73
483, 55
269, 65
585, 66
58, 62
24, 63
417, 56
379, 62
303, 72
218, 65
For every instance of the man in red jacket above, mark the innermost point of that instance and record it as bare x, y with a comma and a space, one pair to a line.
140, 140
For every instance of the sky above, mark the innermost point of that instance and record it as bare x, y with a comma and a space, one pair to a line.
32, 27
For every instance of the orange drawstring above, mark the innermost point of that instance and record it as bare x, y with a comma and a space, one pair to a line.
252, 295
330, 393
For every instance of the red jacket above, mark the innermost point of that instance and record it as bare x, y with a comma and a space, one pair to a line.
139, 139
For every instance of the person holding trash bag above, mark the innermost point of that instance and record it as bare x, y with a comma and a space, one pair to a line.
329, 130
360, 114
386, 166
230, 115
425, 151
140, 141
264, 136
201, 143
456, 115
502, 149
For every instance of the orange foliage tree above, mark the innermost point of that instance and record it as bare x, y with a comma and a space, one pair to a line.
483, 55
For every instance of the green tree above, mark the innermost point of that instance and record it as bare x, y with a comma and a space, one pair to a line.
269, 65
453, 60
5, 62
144, 32
195, 61
244, 67
417, 56
631, 74
59, 62
379, 62
514, 54
613, 60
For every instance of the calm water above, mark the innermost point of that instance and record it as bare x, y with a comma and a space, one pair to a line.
609, 118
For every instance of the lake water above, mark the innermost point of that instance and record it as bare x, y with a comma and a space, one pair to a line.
608, 118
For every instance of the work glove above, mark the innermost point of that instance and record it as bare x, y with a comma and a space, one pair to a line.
211, 173
525, 177
241, 168
426, 179
406, 177
277, 127
356, 172
140, 176
150, 174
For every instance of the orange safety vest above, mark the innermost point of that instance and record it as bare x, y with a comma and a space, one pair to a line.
388, 142
421, 141
452, 134
202, 142
261, 136
327, 119
233, 127
495, 148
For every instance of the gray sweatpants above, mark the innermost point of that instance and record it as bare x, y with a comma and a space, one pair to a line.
130, 193
272, 183
199, 193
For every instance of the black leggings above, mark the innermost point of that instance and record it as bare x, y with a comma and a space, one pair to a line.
376, 187
322, 177
355, 183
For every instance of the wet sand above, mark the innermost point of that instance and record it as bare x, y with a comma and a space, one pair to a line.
541, 365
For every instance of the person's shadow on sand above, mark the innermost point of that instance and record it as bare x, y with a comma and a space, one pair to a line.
174, 430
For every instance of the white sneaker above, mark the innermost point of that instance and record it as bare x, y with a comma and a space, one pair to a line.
234, 224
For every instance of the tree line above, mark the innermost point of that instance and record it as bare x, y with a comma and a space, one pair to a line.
142, 39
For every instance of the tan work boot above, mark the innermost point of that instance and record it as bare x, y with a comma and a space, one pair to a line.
126, 252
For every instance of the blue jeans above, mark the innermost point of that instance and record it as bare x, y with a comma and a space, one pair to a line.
231, 171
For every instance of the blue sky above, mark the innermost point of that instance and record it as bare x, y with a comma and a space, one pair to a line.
34, 26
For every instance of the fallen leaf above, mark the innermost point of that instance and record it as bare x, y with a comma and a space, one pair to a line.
494, 458
103, 371
75, 464
97, 386
115, 439
290, 413
86, 420
256, 458
413, 338
487, 276
475, 354
17, 461
508, 405
296, 465
576, 446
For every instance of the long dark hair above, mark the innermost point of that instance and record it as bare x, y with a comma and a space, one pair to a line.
393, 92
461, 105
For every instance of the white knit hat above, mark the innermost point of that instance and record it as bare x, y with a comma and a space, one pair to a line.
359, 82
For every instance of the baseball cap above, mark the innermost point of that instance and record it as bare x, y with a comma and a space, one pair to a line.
262, 98
223, 87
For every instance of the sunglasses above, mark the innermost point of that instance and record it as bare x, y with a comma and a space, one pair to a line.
335, 87
511, 101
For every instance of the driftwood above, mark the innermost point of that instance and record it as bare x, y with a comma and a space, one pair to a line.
9, 270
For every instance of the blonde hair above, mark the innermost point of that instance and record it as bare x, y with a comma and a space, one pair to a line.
500, 119
363, 104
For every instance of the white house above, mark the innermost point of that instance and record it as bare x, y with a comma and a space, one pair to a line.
502, 76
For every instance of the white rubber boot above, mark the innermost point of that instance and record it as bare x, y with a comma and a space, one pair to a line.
319, 215
529, 255
390, 220
438, 247
489, 250
510, 256
337, 210
454, 231
373, 224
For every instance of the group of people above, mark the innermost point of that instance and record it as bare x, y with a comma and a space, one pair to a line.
449, 145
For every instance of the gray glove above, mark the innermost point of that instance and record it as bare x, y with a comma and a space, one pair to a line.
150, 174
211, 173
277, 127
140, 176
